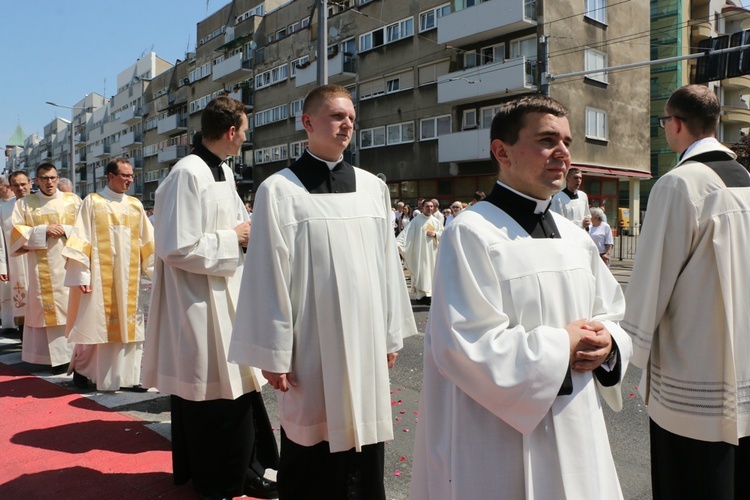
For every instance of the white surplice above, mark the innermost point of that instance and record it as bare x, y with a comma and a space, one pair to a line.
16, 267
196, 282
491, 423
111, 246
6, 295
420, 251
47, 305
572, 209
324, 297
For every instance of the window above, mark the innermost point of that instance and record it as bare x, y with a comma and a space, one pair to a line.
389, 84
305, 22
281, 34
392, 85
431, 128
524, 47
469, 120
429, 73
296, 149
487, 115
400, 133
596, 124
596, 10
471, 59
271, 115
272, 76
293, 28
296, 64
428, 19
372, 138
295, 107
218, 60
493, 53
273, 153
370, 40
596, 60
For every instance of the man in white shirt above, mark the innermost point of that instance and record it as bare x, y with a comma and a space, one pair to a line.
688, 311
523, 317
571, 202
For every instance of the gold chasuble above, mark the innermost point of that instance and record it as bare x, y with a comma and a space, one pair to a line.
112, 244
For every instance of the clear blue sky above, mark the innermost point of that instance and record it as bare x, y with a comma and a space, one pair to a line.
61, 50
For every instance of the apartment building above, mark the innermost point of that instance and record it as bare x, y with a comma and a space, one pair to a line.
677, 29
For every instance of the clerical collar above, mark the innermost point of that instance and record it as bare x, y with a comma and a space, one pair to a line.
111, 194
213, 161
56, 194
705, 140
331, 164
571, 194
540, 207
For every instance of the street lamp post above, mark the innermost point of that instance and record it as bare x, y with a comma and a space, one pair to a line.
86, 109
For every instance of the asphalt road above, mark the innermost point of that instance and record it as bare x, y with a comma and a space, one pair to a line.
628, 429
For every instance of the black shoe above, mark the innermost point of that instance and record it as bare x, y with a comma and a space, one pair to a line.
80, 381
135, 388
60, 369
260, 487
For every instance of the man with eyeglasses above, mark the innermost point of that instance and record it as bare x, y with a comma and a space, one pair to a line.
42, 222
111, 246
454, 211
687, 309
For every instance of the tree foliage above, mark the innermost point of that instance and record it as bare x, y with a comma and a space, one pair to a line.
742, 148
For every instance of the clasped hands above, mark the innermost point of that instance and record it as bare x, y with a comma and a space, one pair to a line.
55, 230
590, 344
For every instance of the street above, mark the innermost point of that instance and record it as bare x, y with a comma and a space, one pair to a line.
628, 429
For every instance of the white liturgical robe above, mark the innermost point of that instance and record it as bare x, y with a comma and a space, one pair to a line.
16, 265
197, 278
574, 209
492, 424
110, 247
6, 300
420, 251
324, 297
44, 339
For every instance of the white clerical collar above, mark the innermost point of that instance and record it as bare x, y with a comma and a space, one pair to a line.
43, 196
111, 194
694, 145
541, 205
331, 164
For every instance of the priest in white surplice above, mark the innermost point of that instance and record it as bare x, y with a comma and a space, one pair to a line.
522, 338
42, 222
323, 309
571, 202
202, 225
7, 201
418, 243
111, 246
17, 269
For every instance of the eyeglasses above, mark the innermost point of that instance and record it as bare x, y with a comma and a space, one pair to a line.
48, 178
663, 119
456, 208
125, 176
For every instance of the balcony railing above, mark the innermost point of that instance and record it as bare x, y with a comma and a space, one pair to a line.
100, 151
486, 20
172, 153
172, 124
131, 139
341, 68
231, 69
512, 76
131, 115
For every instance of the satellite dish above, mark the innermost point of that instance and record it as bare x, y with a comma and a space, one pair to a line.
333, 32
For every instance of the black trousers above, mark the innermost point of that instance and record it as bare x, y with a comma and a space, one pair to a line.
214, 443
313, 472
684, 468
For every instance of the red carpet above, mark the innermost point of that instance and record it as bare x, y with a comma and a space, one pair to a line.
58, 444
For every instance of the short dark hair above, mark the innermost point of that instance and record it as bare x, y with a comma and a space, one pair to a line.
573, 170
45, 167
479, 195
511, 116
114, 165
697, 106
197, 139
319, 94
15, 174
220, 115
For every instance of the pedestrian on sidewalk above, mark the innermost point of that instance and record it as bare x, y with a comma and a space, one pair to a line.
688, 313
323, 310
202, 227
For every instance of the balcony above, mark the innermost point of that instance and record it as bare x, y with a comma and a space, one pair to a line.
486, 20
469, 145
232, 69
100, 151
171, 154
99, 173
244, 95
732, 114
341, 68
131, 115
502, 79
701, 30
81, 157
172, 124
130, 140
81, 137
81, 176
